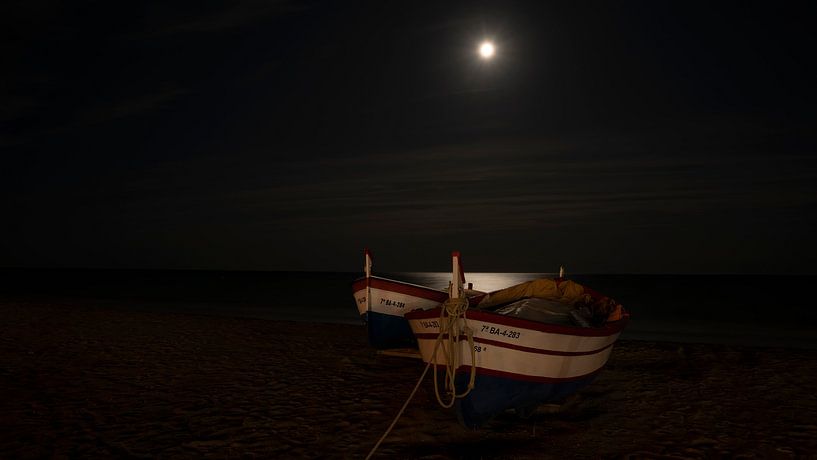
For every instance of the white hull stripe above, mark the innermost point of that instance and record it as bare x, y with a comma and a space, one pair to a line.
510, 376
515, 347
507, 322
391, 303
522, 338
521, 364
414, 290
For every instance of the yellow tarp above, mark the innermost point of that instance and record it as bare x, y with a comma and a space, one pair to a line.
566, 292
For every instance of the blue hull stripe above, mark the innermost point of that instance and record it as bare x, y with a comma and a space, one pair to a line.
389, 331
493, 395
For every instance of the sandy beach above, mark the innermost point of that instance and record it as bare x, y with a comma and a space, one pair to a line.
91, 382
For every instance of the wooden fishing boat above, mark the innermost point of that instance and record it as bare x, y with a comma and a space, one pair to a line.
498, 358
382, 302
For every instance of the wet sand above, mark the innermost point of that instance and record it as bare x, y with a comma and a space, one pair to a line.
90, 382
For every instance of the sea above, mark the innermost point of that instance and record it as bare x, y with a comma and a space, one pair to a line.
750, 310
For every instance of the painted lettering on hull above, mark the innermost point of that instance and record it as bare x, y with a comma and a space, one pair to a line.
509, 333
392, 303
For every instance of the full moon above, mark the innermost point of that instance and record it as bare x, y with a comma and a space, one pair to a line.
486, 50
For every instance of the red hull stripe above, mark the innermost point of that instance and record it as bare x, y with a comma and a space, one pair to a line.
489, 317
514, 376
359, 284
517, 347
401, 288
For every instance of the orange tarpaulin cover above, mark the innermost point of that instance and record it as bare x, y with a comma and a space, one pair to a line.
567, 292
564, 291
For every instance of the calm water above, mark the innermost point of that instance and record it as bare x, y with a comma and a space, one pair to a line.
739, 309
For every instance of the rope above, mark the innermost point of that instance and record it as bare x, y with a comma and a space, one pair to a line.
405, 404
450, 313
452, 310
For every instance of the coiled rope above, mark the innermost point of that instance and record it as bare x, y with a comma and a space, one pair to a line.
450, 313
452, 310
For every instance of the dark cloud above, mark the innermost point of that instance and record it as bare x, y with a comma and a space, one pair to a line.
276, 135
198, 17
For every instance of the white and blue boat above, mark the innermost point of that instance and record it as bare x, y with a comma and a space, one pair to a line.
533, 343
382, 302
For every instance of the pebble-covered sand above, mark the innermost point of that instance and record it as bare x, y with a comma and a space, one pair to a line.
89, 382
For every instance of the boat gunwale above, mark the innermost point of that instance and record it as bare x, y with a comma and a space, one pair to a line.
410, 289
605, 330
405, 283
511, 346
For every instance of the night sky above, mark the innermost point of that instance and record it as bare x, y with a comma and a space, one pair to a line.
611, 137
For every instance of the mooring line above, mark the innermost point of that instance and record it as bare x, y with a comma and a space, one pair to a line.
374, 449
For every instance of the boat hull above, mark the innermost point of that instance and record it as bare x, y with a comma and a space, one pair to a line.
388, 331
494, 394
382, 303
518, 363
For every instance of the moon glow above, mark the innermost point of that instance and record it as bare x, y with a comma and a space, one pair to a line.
486, 50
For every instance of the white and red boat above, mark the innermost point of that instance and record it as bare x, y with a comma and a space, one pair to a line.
382, 303
519, 362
